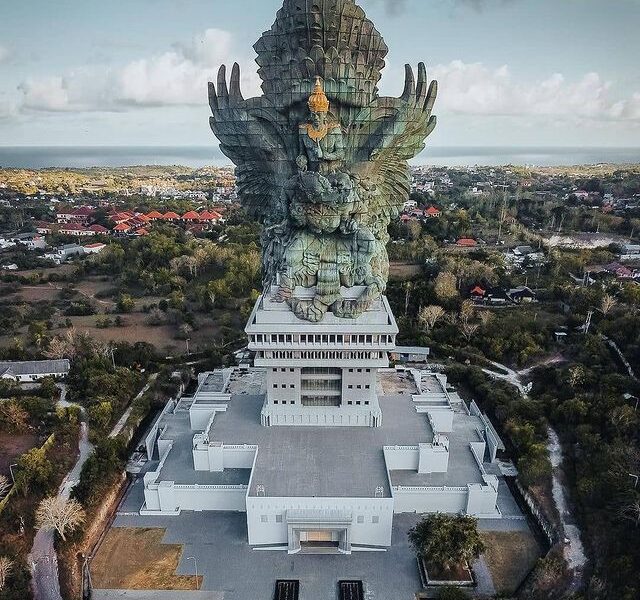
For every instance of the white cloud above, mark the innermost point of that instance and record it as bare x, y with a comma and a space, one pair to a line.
177, 77
475, 89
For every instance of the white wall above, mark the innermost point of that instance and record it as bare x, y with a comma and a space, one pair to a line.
365, 533
401, 458
430, 500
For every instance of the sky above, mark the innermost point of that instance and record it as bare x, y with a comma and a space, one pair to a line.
134, 72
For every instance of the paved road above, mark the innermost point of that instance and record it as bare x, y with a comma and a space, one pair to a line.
43, 558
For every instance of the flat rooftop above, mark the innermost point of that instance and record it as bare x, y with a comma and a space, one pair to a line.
327, 462
342, 462
178, 466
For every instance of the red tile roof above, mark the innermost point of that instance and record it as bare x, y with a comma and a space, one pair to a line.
467, 242
170, 215
97, 228
432, 210
210, 216
192, 215
154, 214
122, 227
478, 291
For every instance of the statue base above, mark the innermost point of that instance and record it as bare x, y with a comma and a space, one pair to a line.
321, 374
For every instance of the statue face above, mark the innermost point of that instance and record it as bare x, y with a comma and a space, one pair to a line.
318, 119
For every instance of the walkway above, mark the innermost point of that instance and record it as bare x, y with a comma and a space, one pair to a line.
43, 558
573, 549
125, 416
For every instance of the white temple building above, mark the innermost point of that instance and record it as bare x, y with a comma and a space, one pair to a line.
328, 446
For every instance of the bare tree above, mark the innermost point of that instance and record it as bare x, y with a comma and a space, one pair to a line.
608, 303
6, 565
468, 330
446, 286
5, 486
13, 416
485, 317
60, 515
466, 311
430, 315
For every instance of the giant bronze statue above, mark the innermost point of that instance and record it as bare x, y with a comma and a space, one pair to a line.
321, 157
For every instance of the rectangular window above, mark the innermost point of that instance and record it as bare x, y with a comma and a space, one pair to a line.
360, 518
278, 518
275, 402
375, 519
291, 386
264, 519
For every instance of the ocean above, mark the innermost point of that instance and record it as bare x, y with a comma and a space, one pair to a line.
40, 157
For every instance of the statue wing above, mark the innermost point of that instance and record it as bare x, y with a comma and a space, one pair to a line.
252, 134
388, 133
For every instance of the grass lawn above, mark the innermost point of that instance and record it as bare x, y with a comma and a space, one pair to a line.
510, 556
136, 559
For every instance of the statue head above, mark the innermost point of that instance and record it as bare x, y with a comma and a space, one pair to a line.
318, 105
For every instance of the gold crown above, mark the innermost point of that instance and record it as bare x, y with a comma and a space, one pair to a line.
318, 101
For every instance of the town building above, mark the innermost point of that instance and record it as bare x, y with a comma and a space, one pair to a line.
26, 371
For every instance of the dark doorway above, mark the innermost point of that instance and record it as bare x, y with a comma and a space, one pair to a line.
351, 590
287, 589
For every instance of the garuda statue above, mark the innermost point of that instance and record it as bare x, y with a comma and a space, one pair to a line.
321, 157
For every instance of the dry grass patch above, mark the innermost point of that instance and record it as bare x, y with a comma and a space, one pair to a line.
136, 559
510, 556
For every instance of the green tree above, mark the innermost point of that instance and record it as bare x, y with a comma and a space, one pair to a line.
35, 470
125, 303
447, 540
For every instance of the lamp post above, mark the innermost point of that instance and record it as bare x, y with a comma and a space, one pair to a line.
187, 341
13, 477
195, 562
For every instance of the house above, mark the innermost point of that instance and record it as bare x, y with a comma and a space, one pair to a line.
522, 295
95, 248
409, 204
466, 243
32, 241
98, 229
478, 294
64, 253
9, 267
170, 216
33, 370
121, 230
45, 228
630, 252
81, 214
191, 216
75, 229
154, 215
432, 213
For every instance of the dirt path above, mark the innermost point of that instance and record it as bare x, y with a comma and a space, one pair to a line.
573, 549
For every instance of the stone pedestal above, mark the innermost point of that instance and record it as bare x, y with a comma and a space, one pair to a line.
321, 374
